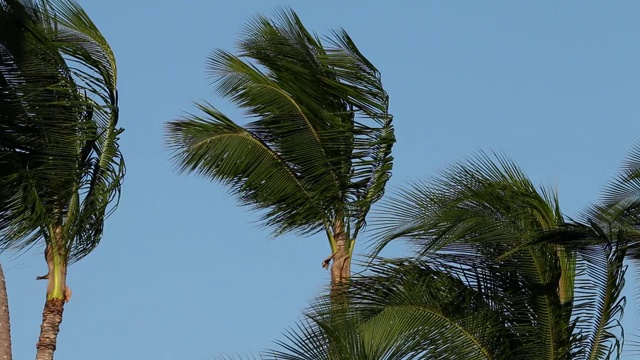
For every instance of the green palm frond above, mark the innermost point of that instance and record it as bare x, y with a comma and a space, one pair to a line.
445, 317
100, 158
476, 200
245, 162
318, 146
601, 318
405, 310
465, 308
620, 208
58, 80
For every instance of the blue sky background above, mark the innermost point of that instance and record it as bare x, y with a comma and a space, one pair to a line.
183, 272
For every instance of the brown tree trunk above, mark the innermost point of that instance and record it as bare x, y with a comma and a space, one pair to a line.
51, 319
340, 274
5, 325
340, 271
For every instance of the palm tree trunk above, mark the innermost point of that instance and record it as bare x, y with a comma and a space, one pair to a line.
341, 266
51, 319
57, 295
5, 325
340, 271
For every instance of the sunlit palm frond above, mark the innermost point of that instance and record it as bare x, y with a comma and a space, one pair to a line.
499, 274
476, 200
616, 218
219, 149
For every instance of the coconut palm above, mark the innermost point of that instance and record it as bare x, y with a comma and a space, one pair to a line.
487, 218
315, 154
60, 166
498, 273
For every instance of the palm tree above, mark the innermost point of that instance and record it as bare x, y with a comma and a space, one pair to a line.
316, 154
497, 274
487, 218
59, 159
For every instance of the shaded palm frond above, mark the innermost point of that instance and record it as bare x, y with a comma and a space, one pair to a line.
64, 166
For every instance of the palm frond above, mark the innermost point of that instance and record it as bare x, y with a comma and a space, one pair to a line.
601, 308
475, 200
219, 149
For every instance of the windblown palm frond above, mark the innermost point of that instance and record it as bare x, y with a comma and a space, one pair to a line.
467, 308
621, 201
409, 313
59, 154
406, 309
477, 200
620, 205
318, 146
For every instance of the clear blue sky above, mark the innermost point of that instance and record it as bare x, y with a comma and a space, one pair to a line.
185, 273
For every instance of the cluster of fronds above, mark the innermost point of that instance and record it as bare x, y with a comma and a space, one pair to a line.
498, 273
319, 143
60, 164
